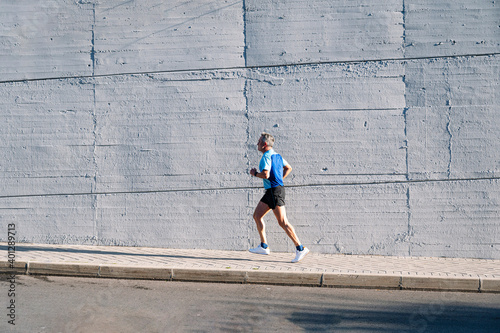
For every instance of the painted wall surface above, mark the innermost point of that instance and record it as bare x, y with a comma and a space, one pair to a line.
135, 123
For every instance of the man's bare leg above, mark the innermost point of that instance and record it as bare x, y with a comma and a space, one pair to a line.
260, 211
280, 213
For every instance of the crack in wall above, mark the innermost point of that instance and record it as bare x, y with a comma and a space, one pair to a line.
247, 116
245, 33
404, 29
448, 90
94, 203
302, 64
246, 188
408, 236
409, 232
450, 142
92, 51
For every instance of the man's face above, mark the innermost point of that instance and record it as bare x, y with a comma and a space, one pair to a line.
261, 145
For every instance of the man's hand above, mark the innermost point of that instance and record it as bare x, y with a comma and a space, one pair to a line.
264, 174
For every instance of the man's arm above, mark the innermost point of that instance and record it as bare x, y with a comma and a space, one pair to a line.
287, 169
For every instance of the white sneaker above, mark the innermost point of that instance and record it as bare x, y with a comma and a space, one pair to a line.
260, 250
299, 255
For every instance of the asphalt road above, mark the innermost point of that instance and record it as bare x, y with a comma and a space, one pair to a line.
58, 304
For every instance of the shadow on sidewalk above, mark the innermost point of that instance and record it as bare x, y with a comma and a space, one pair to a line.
20, 248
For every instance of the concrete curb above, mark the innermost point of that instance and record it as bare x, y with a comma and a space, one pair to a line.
332, 280
454, 283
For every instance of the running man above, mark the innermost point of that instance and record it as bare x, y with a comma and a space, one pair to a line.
273, 169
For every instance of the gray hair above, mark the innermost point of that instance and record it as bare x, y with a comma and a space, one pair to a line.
267, 138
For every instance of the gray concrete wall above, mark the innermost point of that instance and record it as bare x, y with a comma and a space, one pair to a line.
135, 122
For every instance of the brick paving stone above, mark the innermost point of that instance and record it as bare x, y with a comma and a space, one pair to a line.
245, 261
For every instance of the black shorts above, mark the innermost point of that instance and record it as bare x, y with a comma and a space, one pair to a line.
274, 197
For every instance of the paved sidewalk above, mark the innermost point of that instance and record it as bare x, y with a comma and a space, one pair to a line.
322, 270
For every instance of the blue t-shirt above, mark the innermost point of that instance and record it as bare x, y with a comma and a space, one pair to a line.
273, 162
